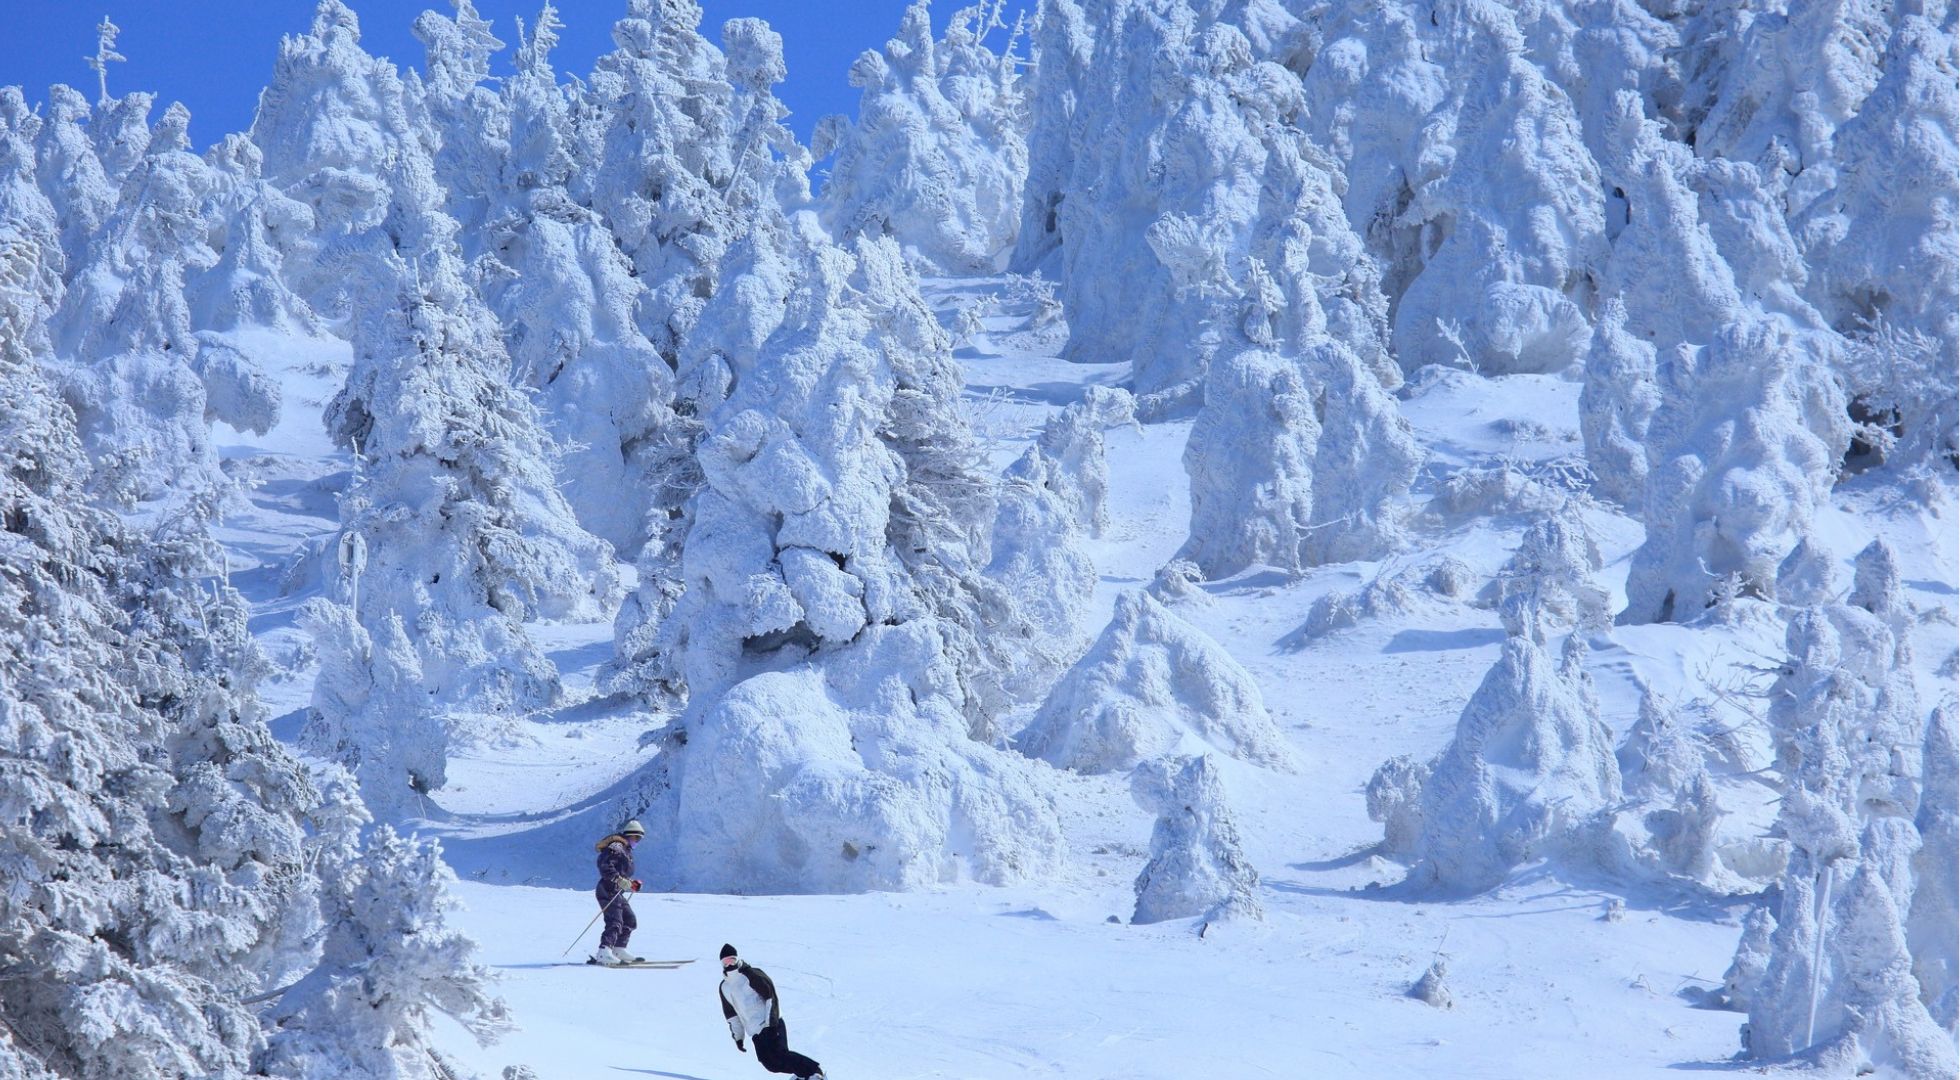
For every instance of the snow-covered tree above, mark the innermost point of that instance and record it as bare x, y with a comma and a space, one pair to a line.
1250, 456
455, 499
1295, 460
389, 963
1882, 249
566, 297
1061, 46
1163, 187
467, 535
1809, 575
247, 286
1507, 201
1197, 868
1529, 765
834, 556
70, 172
1665, 830
1844, 715
1933, 922
1551, 585
334, 124
936, 157
1151, 684
1838, 983
1743, 452
1616, 405
125, 325
152, 832
664, 160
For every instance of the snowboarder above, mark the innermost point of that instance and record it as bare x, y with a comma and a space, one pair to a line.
748, 1001
616, 886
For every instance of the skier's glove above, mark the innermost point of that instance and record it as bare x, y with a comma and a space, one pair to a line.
636, 884
739, 1045
622, 884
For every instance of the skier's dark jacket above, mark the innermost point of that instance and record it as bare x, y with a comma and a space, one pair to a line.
615, 861
764, 988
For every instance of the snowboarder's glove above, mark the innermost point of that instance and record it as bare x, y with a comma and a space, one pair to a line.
622, 884
739, 1045
636, 884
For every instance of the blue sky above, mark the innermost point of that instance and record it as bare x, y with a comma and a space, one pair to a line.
215, 55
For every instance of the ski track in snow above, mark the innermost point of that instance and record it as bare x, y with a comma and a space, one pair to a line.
976, 982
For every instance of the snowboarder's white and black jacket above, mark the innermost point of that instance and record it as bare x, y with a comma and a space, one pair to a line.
748, 1000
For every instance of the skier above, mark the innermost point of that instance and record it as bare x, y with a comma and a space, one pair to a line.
748, 1001
616, 886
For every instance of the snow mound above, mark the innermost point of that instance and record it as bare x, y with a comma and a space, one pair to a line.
1150, 684
851, 775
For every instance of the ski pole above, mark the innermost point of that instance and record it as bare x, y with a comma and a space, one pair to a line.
588, 926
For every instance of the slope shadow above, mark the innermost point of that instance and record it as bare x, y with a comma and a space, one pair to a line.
549, 848
1470, 637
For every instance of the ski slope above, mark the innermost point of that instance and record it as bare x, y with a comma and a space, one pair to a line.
1550, 976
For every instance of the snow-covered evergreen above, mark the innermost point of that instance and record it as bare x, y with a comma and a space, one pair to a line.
1529, 765
1151, 683
937, 156
1197, 868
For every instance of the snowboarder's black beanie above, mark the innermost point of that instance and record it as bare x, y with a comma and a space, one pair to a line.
727, 951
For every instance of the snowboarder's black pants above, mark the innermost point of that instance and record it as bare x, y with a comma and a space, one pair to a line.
620, 922
772, 1050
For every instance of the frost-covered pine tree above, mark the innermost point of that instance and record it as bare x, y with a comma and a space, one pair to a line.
1197, 868
1250, 456
1555, 574
566, 298
1875, 586
1060, 50
936, 158
1296, 459
467, 536
1880, 249
1616, 404
334, 124
1838, 984
1164, 187
1743, 451
246, 286
1933, 922
664, 160
1529, 765
1512, 269
389, 963
1809, 576
1844, 715
71, 174
463, 124
155, 836
124, 326
833, 557
1665, 830
455, 500
1150, 685
367, 712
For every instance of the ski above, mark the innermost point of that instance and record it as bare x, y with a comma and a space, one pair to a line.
642, 964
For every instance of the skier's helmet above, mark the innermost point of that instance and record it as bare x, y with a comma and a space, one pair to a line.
633, 828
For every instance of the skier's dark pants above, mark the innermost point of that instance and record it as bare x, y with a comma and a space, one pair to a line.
772, 1050
620, 922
